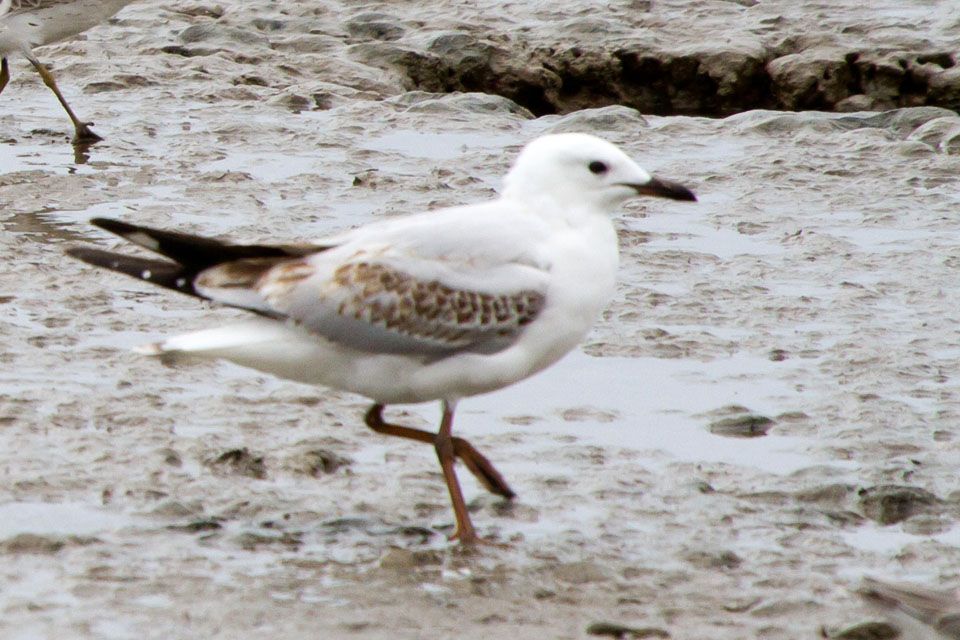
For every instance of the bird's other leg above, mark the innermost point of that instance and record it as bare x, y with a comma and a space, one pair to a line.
475, 461
83, 133
4, 74
443, 444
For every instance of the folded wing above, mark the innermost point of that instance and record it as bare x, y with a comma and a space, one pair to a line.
375, 304
367, 298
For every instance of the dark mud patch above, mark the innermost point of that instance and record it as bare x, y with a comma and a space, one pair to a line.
693, 82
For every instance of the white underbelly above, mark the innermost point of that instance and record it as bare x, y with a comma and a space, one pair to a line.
292, 353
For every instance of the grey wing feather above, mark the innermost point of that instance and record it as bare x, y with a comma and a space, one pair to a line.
376, 308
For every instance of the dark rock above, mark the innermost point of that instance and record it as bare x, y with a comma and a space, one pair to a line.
740, 605
102, 87
177, 509
704, 487
170, 457
197, 526
42, 544
881, 78
742, 426
867, 631
890, 504
858, 102
800, 73
721, 560
318, 462
178, 50
240, 462
833, 494
419, 534
944, 88
216, 11
623, 632
374, 26
32, 543
844, 518
268, 24
346, 525
810, 80
250, 541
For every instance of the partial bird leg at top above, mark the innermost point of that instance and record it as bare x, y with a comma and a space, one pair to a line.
475, 461
4, 74
82, 129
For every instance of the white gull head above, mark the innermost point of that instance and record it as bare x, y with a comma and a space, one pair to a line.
578, 169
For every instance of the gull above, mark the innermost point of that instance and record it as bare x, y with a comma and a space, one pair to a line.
25, 24
439, 305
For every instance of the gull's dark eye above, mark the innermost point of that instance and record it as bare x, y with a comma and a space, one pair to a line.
598, 168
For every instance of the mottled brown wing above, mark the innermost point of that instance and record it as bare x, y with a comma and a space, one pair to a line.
374, 307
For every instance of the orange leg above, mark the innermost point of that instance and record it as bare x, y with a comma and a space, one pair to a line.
464, 532
475, 461
83, 132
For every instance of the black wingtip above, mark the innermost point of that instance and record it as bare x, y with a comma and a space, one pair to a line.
159, 272
80, 253
109, 224
118, 228
112, 261
192, 251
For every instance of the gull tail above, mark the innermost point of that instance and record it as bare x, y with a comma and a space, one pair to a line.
211, 343
187, 255
283, 349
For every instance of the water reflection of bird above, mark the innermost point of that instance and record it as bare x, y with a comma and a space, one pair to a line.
25, 24
436, 306
923, 612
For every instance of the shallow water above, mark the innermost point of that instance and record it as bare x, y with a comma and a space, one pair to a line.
647, 404
59, 519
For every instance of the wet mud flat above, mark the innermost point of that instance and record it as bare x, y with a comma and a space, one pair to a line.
765, 413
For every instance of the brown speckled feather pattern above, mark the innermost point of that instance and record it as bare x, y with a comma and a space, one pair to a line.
381, 298
398, 302
241, 274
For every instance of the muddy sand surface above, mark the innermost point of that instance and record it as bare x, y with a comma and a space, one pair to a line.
807, 301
